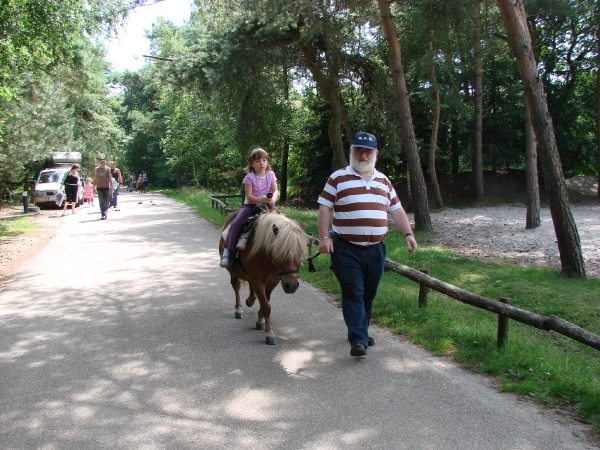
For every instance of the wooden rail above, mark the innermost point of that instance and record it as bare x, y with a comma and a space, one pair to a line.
220, 202
503, 309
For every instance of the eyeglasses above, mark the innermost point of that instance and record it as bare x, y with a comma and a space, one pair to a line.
364, 151
102, 159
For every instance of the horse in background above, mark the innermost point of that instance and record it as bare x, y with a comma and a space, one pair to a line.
141, 187
274, 253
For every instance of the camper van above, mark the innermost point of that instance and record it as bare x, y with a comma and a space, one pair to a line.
50, 180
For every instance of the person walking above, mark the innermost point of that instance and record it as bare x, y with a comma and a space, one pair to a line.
361, 198
130, 182
116, 175
88, 193
102, 182
145, 181
71, 188
260, 186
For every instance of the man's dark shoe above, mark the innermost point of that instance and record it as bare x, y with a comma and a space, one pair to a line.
371, 341
358, 350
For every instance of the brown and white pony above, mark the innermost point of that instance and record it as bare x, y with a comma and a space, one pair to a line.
273, 254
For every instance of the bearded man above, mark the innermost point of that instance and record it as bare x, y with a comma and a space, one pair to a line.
361, 198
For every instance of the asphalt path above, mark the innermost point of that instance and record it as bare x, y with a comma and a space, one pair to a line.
120, 334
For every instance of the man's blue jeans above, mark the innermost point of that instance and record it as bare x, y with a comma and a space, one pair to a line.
113, 198
359, 272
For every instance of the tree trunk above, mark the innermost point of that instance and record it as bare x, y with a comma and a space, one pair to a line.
478, 108
335, 137
454, 146
417, 181
286, 143
532, 219
330, 91
434, 133
567, 236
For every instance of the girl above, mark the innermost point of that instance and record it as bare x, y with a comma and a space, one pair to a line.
71, 188
260, 186
88, 194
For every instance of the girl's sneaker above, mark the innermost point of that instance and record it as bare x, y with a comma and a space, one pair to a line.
225, 259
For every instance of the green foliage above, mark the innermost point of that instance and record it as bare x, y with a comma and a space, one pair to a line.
65, 108
53, 94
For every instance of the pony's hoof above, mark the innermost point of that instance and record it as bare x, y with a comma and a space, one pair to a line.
260, 326
270, 341
239, 315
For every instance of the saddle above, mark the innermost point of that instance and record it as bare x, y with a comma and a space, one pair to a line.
250, 224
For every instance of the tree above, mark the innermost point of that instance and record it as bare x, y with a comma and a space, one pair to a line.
478, 109
52, 82
569, 245
434, 133
417, 181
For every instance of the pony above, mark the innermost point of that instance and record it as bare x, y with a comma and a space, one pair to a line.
274, 252
141, 187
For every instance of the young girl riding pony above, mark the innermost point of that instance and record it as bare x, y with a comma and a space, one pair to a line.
260, 186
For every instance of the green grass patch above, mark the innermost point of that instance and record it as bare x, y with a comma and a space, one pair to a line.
13, 227
545, 366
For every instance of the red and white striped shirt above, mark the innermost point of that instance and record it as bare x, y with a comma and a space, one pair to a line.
360, 207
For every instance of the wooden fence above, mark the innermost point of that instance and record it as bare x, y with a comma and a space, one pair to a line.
220, 202
502, 307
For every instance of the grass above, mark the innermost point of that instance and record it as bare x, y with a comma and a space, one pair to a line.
545, 366
14, 227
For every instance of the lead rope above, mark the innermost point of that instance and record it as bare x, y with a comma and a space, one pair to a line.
311, 266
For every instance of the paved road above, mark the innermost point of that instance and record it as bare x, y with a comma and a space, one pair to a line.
120, 335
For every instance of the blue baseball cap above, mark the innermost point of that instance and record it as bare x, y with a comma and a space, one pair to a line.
364, 140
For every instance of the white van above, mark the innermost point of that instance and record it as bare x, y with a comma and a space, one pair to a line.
50, 180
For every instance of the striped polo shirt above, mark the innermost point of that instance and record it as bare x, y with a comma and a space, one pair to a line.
360, 207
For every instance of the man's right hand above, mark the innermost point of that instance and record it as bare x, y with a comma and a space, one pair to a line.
326, 245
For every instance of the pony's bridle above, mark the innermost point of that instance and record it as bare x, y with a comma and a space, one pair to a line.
287, 272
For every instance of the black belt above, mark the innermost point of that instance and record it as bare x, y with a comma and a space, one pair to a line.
362, 247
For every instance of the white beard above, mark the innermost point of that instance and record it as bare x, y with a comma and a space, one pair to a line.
362, 167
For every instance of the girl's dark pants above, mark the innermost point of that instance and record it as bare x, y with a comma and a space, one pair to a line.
358, 271
237, 225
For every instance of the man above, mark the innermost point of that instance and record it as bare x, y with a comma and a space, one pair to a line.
116, 174
144, 181
361, 198
103, 184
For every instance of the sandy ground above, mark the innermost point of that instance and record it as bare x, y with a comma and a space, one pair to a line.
499, 232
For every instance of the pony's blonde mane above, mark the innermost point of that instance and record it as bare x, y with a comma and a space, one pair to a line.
290, 240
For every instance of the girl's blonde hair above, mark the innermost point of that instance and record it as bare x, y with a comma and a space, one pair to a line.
258, 153
88, 179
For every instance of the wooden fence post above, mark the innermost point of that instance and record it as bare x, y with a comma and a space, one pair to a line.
503, 325
423, 291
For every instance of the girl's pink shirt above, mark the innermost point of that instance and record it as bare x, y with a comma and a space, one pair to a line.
260, 185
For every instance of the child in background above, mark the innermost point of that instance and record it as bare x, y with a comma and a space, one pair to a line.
260, 185
88, 193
